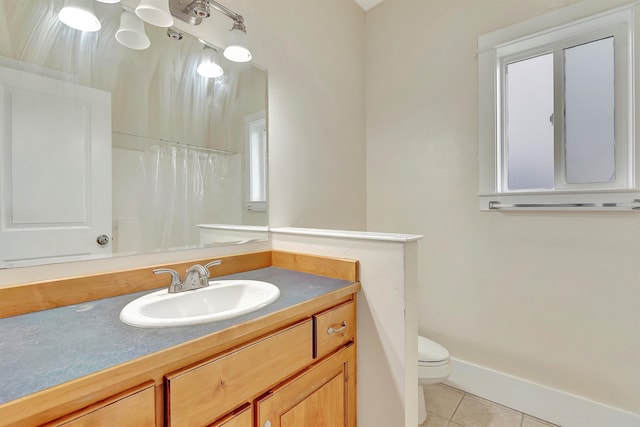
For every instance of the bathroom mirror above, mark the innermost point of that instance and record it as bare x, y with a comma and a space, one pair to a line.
107, 150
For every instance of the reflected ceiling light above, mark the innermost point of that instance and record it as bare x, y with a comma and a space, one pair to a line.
155, 12
237, 50
109, 1
131, 32
79, 14
209, 66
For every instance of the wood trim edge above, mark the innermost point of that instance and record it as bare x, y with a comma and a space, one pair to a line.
337, 268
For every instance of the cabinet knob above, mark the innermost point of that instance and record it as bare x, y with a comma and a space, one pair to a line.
267, 423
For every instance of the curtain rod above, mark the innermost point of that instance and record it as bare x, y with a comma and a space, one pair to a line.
177, 144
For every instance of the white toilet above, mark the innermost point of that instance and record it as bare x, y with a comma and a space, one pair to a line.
433, 367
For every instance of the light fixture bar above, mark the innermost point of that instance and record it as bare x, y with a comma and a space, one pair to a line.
225, 10
237, 50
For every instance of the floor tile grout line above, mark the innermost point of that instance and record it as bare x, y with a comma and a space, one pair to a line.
491, 402
465, 394
458, 406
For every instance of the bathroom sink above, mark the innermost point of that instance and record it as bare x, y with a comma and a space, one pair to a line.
222, 299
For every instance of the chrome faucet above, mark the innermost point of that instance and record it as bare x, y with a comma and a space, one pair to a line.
196, 277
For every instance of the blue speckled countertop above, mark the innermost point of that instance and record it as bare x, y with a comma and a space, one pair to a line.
43, 349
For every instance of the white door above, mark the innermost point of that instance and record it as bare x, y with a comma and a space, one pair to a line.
55, 176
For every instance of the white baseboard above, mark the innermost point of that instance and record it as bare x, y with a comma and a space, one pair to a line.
555, 406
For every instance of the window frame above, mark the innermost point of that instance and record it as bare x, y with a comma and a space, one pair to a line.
554, 32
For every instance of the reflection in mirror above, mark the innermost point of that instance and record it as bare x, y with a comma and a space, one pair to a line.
107, 150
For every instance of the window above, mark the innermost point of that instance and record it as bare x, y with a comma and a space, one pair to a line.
556, 112
256, 143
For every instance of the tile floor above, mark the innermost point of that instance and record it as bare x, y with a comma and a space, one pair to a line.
450, 407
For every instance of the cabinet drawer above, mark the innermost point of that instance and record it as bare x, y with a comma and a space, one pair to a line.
198, 395
133, 408
333, 328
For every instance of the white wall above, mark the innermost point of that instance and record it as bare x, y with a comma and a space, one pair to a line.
553, 298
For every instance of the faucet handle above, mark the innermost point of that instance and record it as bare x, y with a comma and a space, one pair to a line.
212, 263
176, 284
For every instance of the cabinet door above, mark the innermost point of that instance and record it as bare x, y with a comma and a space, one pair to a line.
323, 396
133, 408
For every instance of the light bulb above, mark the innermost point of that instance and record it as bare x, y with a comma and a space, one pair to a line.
79, 14
237, 50
209, 66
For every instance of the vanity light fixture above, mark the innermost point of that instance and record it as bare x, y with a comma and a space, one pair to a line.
131, 32
209, 66
79, 14
237, 50
155, 12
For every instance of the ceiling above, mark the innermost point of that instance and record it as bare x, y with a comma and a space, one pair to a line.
367, 4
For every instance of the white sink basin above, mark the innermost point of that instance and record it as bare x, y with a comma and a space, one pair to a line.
222, 299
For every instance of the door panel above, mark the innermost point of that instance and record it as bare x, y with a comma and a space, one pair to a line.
55, 157
324, 408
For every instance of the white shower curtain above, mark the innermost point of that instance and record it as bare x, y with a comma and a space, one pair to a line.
179, 180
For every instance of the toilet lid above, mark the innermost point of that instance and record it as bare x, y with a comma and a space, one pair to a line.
430, 351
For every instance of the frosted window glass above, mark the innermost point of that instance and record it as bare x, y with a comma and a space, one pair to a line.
258, 161
529, 124
589, 112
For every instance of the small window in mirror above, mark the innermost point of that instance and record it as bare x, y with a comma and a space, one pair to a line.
256, 136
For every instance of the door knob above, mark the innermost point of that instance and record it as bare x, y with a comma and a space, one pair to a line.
102, 239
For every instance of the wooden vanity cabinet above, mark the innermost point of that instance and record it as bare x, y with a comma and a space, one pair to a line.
294, 366
301, 376
132, 408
